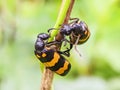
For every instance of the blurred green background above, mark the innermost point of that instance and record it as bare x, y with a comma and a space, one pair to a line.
97, 69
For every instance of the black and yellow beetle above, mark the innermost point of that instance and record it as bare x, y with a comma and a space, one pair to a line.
50, 57
80, 31
77, 31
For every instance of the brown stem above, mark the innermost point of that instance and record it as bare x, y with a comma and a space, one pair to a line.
47, 79
69, 12
48, 74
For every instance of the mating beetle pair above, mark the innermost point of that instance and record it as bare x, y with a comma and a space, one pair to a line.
53, 59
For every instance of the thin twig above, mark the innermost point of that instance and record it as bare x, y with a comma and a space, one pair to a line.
69, 12
47, 79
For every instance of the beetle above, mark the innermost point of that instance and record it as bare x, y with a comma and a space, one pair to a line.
80, 31
77, 31
50, 57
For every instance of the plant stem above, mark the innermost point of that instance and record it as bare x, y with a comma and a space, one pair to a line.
63, 18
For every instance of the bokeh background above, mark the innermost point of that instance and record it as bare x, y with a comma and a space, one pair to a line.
97, 69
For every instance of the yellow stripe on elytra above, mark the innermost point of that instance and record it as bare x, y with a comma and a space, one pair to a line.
65, 67
85, 38
44, 55
53, 61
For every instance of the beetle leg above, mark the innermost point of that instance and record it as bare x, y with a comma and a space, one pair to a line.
49, 30
74, 20
66, 52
